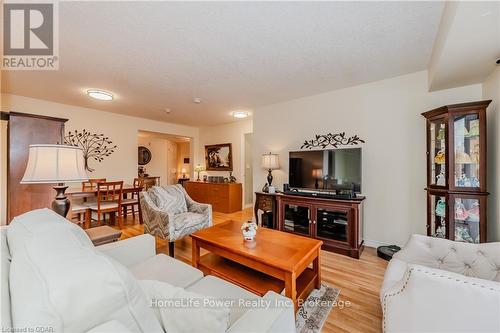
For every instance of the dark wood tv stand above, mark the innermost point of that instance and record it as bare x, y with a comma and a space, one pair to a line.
337, 222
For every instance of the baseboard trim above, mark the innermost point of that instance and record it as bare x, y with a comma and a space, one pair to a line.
249, 205
374, 243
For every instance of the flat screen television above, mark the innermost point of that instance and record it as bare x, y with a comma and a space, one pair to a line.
333, 169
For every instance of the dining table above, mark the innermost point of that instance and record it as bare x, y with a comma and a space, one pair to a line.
79, 192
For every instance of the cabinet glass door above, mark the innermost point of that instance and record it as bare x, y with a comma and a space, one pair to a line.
467, 151
332, 224
438, 209
297, 219
467, 218
437, 158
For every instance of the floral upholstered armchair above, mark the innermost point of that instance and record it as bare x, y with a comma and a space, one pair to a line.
169, 213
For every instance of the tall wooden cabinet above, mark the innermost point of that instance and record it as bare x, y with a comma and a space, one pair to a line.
25, 129
338, 223
456, 172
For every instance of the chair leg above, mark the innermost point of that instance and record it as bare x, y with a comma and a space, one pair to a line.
133, 212
171, 246
124, 211
140, 214
120, 219
88, 217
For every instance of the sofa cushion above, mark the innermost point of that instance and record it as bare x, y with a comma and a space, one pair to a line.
186, 221
170, 198
38, 221
167, 269
179, 310
58, 281
216, 288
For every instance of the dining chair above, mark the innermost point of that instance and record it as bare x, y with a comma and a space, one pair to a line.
109, 201
78, 209
92, 183
134, 200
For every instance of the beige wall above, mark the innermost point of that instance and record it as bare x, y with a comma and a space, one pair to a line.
228, 133
387, 115
163, 162
183, 151
122, 130
491, 90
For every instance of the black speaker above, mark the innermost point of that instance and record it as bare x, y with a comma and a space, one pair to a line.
286, 187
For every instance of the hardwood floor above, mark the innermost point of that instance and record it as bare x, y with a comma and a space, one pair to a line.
359, 281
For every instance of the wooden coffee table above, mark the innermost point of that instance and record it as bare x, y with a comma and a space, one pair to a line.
275, 261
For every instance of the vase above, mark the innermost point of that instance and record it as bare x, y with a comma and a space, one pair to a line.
249, 235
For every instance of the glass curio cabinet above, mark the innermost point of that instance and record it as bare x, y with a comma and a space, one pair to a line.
456, 172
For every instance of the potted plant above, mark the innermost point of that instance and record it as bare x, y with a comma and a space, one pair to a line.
249, 230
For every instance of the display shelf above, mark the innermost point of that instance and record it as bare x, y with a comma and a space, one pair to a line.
456, 172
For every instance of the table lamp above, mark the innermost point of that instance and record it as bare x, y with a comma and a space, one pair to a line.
55, 164
270, 162
317, 174
198, 169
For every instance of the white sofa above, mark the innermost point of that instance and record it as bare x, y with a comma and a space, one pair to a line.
437, 285
54, 280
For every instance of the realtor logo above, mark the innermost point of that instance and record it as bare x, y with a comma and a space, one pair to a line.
30, 36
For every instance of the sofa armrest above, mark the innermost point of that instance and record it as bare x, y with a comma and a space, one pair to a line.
434, 300
197, 207
156, 222
279, 317
130, 251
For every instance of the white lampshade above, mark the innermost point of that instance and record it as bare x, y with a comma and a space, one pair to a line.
49, 164
270, 161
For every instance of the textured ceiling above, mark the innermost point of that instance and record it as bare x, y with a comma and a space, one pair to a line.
467, 46
157, 55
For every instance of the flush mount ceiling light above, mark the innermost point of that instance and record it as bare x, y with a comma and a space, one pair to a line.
100, 94
197, 100
240, 114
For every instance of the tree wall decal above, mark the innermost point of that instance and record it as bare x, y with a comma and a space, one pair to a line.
96, 146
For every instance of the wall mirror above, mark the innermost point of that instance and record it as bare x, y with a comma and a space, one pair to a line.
144, 155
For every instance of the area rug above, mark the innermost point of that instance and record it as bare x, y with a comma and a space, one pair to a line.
314, 311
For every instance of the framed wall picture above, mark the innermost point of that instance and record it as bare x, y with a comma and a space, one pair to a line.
219, 157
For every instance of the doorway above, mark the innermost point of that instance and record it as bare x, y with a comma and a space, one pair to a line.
169, 156
248, 176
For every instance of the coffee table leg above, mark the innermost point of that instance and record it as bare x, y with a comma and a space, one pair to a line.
317, 269
291, 288
196, 253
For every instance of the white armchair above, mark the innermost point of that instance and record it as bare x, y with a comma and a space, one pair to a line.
437, 285
169, 213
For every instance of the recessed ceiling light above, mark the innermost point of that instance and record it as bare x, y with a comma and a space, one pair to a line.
240, 114
197, 100
168, 110
100, 94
